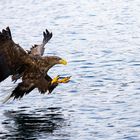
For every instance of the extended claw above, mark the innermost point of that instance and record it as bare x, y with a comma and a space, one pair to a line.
55, 80
64, 80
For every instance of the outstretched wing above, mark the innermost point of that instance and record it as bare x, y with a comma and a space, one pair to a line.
12, 56
34, 80
5, 38
38, 50
31, 81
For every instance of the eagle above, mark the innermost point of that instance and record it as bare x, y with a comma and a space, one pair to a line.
31, 66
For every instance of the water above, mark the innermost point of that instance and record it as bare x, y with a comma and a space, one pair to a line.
100, 39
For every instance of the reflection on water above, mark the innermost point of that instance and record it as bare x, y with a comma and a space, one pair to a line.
22, 125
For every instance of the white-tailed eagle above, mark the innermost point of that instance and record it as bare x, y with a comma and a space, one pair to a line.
30, 66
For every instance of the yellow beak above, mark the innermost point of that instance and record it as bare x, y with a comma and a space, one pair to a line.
62, 61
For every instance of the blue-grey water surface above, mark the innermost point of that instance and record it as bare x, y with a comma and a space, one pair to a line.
101, 41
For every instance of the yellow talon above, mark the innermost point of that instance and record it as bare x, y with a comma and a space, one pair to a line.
64, 80
55, 80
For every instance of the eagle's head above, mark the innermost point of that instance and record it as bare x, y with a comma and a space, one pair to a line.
53, 60
50, 61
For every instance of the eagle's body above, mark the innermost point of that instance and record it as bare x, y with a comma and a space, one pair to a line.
31, 66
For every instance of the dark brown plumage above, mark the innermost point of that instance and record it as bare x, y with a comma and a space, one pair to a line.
35, 51
31, 67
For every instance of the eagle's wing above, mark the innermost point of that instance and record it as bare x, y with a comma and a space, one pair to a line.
11, 55
5, 36
30, 83
22, 89
36, 80
38, 50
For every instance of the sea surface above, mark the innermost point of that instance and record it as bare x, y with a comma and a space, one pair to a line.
100, 39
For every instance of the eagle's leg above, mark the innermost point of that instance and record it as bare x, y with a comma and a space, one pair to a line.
54, 80
57, 80
64, 80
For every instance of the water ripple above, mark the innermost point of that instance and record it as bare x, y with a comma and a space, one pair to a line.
100, 40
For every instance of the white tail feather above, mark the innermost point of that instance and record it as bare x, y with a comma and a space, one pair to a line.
6, 99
